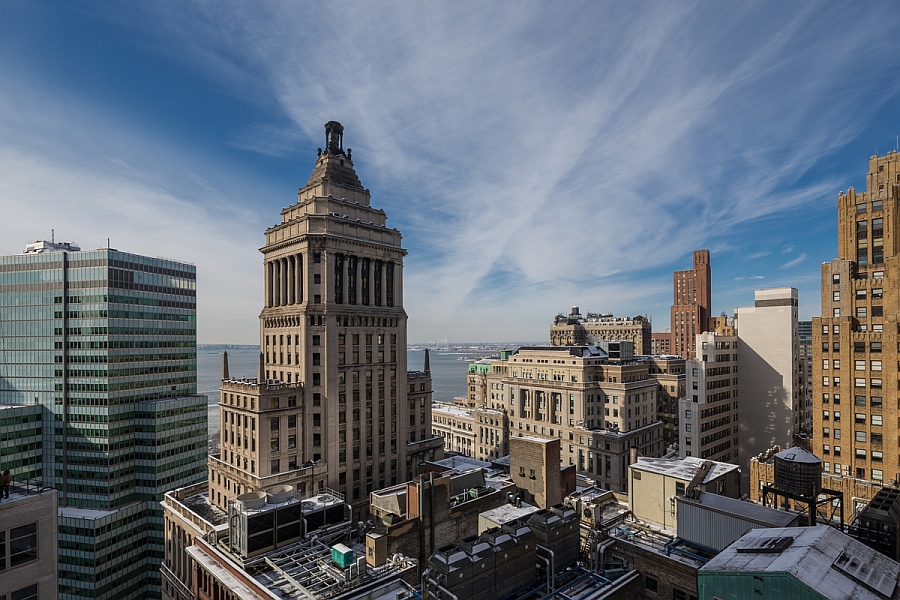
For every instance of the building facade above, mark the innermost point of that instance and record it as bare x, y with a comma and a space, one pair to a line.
804, 337
855, 342
661, 343
599, 408
668, 371
692, 292
28, 543
576, 330
105, 343
771, 381
708, 413
333, 338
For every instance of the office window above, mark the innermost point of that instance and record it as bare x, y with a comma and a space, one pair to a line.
861, 312
859, 382
860, 294
875, 383
877, 456
860, 436
837, 416
276, 466
860, 454
826, 449
836, 364
877, 420
875, 402
23, 544
836, 296
877, 293
650, 584
859, 400
825, 329
836, 312
28, 593
824, 364
877, 475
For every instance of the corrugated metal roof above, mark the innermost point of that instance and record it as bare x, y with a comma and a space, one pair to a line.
745, 510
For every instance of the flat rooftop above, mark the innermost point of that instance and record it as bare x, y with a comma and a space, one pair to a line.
206, 510
684, 468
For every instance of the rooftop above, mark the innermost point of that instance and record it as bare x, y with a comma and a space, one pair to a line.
461, 463
684, 468
824, 559
206, 510
746, 510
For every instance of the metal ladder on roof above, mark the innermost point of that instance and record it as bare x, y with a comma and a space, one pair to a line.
699, 476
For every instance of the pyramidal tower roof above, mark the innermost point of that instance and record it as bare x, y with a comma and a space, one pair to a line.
333, 164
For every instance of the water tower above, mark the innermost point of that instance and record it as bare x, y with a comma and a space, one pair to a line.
798, 477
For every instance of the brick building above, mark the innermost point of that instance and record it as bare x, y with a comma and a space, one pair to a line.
692, 302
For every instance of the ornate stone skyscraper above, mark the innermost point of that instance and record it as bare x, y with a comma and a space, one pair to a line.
333, 399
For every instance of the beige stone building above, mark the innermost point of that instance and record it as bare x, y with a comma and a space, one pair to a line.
577, 330
333, 405
855, 341
598, 408
28, 543
481, 433
188, 514
708, 413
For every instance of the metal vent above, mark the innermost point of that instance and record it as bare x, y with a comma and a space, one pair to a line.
765, 545
865, 574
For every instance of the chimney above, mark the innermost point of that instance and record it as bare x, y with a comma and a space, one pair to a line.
427, 362
225, 365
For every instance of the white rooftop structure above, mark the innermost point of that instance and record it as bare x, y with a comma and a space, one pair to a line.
41, 246
684, 468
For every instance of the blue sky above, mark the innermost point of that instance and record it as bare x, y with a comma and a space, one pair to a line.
535, 156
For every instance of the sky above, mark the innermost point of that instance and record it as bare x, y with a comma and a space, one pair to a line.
534, 156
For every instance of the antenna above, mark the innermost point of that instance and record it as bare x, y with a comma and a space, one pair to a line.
52, 236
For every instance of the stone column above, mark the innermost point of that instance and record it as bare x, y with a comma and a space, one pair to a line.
291, 299
299, 259
269, 277
284, 282
276, 283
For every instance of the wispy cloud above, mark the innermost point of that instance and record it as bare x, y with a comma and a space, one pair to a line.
761, 254
787, 249
538, 157
795, 262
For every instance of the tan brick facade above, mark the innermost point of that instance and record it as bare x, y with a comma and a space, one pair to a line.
855, 342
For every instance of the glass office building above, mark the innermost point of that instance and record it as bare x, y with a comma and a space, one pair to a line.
105, 343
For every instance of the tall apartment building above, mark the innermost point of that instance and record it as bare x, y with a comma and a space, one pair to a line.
577, 330
771, 381
668, 371
804, 337
692, 302
855, 341
708, 413
105, 343
597, 407
333, 405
